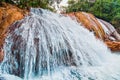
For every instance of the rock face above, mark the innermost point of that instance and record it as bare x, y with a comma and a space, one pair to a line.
8, 15
91, 23
102, 29
114, 46
110, 31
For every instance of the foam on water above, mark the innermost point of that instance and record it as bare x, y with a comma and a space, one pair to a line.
49, 46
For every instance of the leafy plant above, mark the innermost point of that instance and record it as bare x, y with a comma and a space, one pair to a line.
25, 4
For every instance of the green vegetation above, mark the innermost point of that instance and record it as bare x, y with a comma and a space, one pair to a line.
25, 4
108, 10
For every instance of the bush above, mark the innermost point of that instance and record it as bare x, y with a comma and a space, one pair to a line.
116, 20
79, 6
25, 4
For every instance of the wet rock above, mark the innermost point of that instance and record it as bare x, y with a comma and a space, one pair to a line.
8, 15
2, 78
102, 29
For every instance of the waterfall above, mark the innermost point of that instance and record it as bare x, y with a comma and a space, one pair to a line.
109, 30
49, 46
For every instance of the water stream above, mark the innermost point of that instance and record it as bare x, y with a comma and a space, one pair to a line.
49, 46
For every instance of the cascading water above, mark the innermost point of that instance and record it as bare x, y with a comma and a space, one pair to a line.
49, 46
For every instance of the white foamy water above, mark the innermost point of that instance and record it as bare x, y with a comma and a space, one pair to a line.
49, 46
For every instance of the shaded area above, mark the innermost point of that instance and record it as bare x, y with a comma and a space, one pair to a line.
8, 15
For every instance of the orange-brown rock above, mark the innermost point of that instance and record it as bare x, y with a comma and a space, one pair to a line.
8, 15
90, 22
113, 45
102, 29
1, 55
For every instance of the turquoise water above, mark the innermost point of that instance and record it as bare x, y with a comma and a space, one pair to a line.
49, 46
